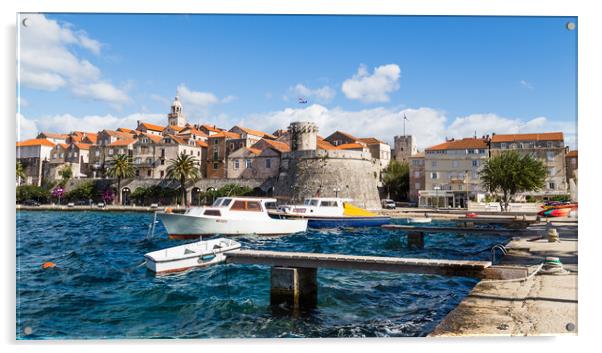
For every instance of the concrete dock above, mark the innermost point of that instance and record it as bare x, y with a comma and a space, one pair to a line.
544, 304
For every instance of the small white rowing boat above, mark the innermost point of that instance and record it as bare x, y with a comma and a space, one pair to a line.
419, 220
199, 254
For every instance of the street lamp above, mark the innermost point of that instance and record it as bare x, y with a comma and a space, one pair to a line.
336, 192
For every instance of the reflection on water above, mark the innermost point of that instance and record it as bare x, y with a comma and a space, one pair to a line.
99, 289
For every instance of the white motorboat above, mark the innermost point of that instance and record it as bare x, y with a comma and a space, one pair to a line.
332, 212
199, 254
230, 216
420, 220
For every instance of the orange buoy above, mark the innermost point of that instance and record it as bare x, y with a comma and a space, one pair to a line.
471, 215
48, 264
168, 210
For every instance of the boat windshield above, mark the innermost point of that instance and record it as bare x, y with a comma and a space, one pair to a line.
310, 202
221, 202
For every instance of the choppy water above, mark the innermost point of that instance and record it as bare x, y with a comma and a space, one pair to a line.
98, 290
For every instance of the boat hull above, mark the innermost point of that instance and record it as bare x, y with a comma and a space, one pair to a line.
186, 226
337, 222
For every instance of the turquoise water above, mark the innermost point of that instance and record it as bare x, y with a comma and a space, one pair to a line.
98, 289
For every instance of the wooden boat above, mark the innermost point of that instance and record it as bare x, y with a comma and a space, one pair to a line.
184, 257
331, 212
230, 216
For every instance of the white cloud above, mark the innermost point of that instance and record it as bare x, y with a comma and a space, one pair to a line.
372, 88
26, 129
196, 98
228, 99
101, 91
526, 84
323, 94
47, 61
64, 123
22, 102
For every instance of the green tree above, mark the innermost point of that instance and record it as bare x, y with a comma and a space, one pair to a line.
83, 191
20, 173
396, 178
120, 168
32, 192
65, 173
512, 172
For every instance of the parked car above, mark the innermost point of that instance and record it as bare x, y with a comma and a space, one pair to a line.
388, 204
70, 204
101, 205
31, 203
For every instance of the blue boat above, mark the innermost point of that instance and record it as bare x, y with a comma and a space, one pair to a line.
330, 212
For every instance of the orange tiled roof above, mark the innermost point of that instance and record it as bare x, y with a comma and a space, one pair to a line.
125, 142
459, 144
92, 138
211, 128
125, 129
178, 140
226, 134
83, 146
255, 132
325, 145
349, 146
175, 127
154, 138
53, 135
35, 142
545, 136
253, 150
152, 127
351, 137
64, 145
278, 145
370, 141
118, 134
202, 144
572, 153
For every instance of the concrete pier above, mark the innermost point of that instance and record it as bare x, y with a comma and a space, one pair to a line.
296, 287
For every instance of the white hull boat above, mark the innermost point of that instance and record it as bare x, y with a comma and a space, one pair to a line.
419, 220
181, 258
230, 216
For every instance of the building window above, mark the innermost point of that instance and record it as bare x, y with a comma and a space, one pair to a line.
550, 145
215, 166
236, 164
455, 164
74, 154
552, 186
551, 171
163, 162
247, 163
215, 142
231, 146
417, 186
97, 153
110, 152
475, 163
433, 175
433, 164
148, 173
121, 151
162, 173
416, 174
550, 155
62, 154
137, 172
268, 163
573, 161
503, 146
215, 155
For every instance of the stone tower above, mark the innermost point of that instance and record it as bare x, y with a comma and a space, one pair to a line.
405, 147
176, 117
304, 135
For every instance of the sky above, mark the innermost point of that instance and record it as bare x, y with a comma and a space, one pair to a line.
450, 76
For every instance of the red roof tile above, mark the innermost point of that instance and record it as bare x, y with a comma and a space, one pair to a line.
349, 146
546, 136
572, 153
152, 127
35, 142
459, 144
125, 142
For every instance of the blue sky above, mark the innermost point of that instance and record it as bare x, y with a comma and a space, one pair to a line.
449, 75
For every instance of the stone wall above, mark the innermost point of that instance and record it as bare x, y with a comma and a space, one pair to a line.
318, 173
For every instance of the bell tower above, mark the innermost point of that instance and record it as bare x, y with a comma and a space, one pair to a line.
176, 117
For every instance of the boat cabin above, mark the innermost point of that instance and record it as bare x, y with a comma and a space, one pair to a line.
234, 204
323, 206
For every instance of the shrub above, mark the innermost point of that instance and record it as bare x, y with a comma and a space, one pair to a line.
32, 192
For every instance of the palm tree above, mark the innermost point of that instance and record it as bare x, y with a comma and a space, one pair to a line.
183, 168
511, 172
20, 173
120, 168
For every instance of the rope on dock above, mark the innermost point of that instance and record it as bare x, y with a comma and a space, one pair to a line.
539, 267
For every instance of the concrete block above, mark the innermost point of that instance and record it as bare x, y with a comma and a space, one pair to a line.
295, 286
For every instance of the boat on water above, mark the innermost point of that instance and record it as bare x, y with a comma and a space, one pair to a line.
332, 212
230, 216
184, 257
559, 209
420, 220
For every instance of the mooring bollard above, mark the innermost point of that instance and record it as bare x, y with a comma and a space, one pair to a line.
416, 240
553, 236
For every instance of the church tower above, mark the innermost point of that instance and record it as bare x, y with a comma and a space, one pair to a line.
175, 117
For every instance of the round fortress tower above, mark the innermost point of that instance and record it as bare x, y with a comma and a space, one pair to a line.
304, 136
307, 171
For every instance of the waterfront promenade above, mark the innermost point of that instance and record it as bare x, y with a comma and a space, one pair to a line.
545, 304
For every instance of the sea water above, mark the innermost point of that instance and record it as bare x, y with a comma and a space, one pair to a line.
100, 288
